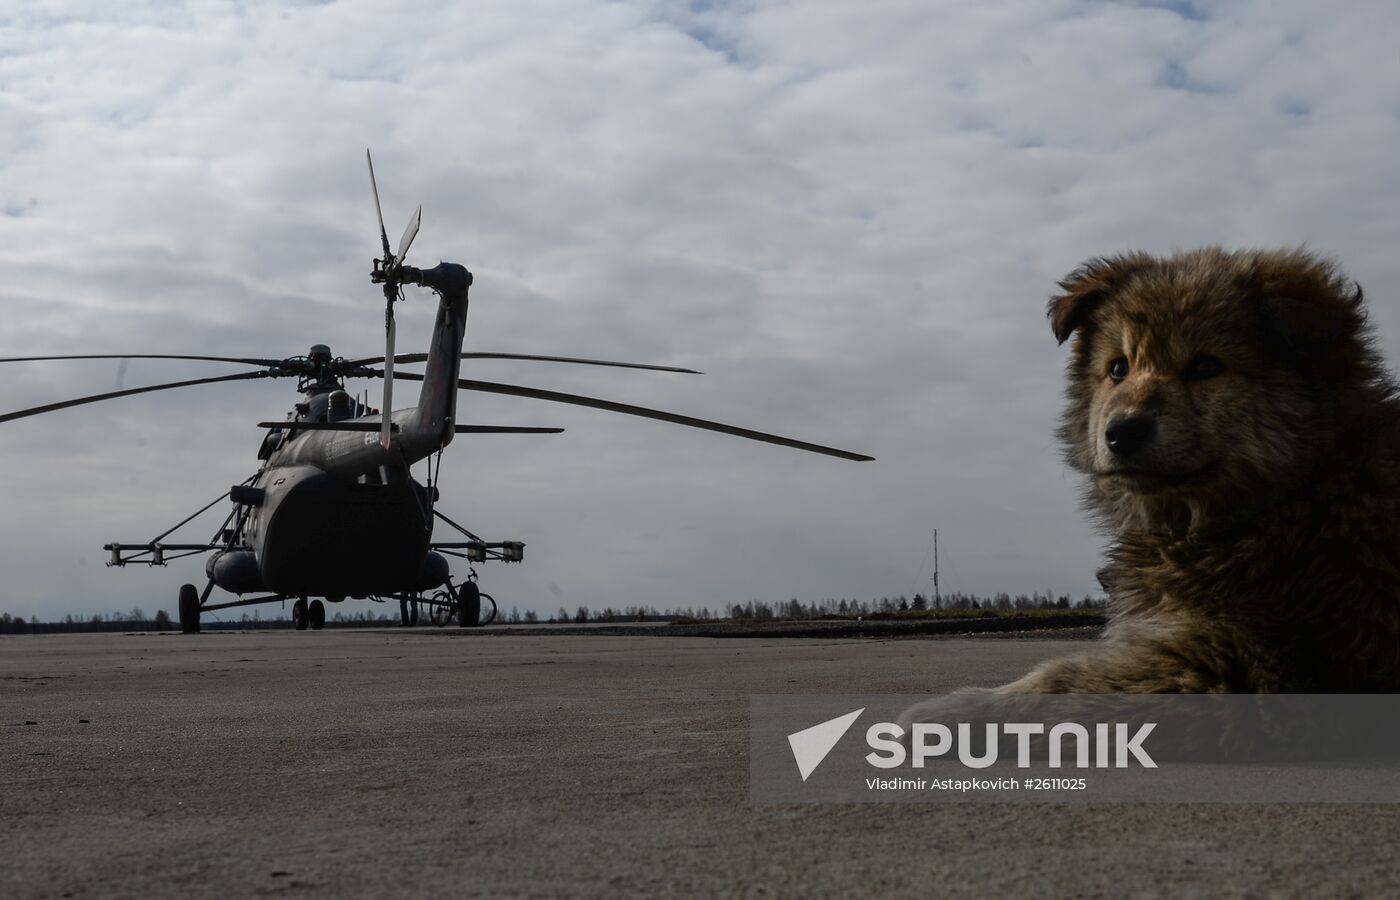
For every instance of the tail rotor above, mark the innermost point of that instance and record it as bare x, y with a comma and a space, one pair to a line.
389, 272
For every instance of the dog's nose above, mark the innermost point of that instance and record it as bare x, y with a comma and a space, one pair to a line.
1128, 435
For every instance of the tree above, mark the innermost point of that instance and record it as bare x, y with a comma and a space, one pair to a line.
919, 602
162, 620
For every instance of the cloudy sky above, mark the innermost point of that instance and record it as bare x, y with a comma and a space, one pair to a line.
849, 215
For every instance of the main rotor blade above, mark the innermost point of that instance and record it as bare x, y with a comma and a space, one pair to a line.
505, 429
229, 359
112, 395
490, 387
422, 357
374, 426
410, 232
383, 235
324, 426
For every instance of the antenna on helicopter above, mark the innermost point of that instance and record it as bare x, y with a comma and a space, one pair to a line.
389, 272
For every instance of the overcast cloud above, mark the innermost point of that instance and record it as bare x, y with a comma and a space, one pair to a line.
848, 214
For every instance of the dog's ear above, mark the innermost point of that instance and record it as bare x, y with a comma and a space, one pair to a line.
1308, 306
1086, 288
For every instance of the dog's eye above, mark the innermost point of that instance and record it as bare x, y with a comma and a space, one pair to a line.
1203, 367
1118, 369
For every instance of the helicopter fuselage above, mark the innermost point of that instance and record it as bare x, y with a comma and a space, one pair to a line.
333, 512
315, 535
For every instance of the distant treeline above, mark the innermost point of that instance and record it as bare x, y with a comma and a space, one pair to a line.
137, 620
752, 611
831, 608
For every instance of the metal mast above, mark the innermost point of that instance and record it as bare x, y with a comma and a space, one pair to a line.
937, 603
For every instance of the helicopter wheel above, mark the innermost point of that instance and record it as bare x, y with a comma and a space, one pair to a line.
316, 612
299, 621
469, 604
441, 612
189, 609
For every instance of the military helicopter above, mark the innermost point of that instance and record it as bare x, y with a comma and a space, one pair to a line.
333, 510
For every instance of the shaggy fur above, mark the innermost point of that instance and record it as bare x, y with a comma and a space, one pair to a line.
1256, 530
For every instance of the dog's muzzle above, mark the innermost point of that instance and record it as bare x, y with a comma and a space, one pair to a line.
1128, 435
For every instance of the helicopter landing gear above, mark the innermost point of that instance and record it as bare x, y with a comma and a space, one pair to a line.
189, 609
469, 604
299, 614
316, 612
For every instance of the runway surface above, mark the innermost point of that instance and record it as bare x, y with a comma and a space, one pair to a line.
441, 763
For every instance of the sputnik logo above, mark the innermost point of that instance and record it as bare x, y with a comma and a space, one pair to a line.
811, 745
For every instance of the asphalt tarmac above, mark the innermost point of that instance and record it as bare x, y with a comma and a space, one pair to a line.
441, 763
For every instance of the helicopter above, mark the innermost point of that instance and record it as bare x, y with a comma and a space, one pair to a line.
333, 511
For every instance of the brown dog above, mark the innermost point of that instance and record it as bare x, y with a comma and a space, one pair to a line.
1241, 443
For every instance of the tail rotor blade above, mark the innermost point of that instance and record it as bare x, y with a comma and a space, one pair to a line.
410, 232
386, 411
383, 235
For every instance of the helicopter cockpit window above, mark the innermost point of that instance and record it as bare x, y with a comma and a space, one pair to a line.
271, 441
